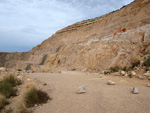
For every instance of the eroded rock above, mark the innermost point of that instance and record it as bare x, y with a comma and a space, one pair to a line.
135, 90
81, 90
148, 85
110, 82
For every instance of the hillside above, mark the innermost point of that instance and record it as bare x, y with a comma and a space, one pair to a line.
90, 45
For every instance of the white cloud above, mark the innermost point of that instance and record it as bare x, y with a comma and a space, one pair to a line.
33, 21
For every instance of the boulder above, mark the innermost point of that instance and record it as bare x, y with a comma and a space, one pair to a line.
110, 82
81, 90
135, 90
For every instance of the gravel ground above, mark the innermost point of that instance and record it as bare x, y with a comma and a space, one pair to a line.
99, 97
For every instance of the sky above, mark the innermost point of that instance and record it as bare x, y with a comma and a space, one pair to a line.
26, 23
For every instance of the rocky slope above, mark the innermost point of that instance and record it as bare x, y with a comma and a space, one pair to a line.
90, 45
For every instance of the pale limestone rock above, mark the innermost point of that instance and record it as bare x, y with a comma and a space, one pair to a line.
28, 79
2, 68
135, 90
116, 74
133, 73
19, 77
81, 90
122, 73
140, 77
147, 74
110, 82
100, 76
148, 85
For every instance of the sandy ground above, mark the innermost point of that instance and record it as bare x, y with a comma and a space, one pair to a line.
99, 97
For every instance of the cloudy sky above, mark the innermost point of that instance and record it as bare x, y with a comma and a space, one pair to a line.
26, 23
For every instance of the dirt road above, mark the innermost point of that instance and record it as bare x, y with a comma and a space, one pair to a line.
99, 97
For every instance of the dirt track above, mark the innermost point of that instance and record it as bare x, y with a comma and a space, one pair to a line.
99, 97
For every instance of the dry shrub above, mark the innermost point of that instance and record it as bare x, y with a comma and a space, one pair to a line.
147, 62
12, 80
35, 96
22, 109
115, 69
7, 84
3, 102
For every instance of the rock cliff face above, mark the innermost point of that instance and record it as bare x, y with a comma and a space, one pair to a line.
90, 45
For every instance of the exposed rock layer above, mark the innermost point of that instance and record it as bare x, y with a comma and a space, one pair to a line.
90, 45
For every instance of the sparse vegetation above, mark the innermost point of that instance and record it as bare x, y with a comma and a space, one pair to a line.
9, 110
6, 88
3, 102
146, 69
130, 75
23, 109
12, 80
34, 96
147, 62
125, 68
115, 69
7, 84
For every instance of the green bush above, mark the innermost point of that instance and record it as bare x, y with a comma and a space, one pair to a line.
7, 84
34, 96
147, 62
3, 102
6, 88
125, 68
12, 80
115, 69
146, 69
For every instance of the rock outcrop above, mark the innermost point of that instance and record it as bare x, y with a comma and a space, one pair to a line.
90, 45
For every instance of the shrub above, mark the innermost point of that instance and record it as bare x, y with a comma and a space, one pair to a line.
147, 62
9, 110
146, 69
130, 75
6, 88
7, 84
115, 69
136, 63
34, 96
12, 80
124, 68
3, 102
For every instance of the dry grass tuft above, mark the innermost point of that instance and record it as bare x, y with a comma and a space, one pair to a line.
35, 97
